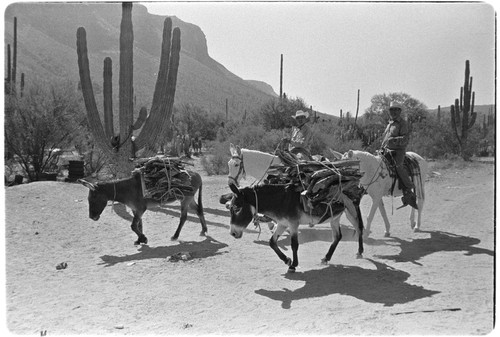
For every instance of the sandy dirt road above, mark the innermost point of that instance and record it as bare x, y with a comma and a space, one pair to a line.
438, 281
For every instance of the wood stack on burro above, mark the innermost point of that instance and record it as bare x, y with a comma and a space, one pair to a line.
320, 183
164, 179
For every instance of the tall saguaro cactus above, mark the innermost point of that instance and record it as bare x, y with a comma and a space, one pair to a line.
462, 113
118, 147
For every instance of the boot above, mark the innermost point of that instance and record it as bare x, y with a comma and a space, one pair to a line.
409, 198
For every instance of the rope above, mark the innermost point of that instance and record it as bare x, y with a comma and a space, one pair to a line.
256, 221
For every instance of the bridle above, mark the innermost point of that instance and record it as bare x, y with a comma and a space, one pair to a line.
255, 216
241, 171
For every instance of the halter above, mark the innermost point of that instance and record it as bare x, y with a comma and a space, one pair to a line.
241, 171
255, 217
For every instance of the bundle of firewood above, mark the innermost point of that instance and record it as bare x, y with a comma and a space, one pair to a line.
318, 182
164, 178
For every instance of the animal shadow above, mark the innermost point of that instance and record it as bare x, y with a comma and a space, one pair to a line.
172, 210
412, 251
197, 250
307, 235
385, 285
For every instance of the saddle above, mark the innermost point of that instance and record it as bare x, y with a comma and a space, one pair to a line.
411, 165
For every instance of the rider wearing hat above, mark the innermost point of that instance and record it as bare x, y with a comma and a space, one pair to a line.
395, 140
302, 135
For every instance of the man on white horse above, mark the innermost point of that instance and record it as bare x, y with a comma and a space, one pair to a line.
302, 135
395, 140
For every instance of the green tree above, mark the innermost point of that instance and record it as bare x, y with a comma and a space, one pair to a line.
415, 110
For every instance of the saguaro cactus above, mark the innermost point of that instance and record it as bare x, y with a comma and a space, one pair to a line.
118, 147
462, 113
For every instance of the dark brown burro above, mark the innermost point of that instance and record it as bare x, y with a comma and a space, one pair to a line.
129, 192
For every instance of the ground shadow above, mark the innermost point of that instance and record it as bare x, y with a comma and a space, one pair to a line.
197, 250
172, 210
414, 250
310, 234
385, 285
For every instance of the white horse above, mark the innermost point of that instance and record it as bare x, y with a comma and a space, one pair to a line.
378, 183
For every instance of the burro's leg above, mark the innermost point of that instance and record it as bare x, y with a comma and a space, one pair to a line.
136, 227
185, 204
294, 237
337, 236
273, 243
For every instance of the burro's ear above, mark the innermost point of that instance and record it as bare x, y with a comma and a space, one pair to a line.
233, 150
337, 155
87, 184
350, 154
238, 150
234, 189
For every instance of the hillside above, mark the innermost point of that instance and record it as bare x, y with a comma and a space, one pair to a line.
47, 50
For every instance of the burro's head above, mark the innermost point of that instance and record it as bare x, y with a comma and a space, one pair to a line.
241, 212
97, 199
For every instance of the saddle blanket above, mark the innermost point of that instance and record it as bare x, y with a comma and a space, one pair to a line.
410, 163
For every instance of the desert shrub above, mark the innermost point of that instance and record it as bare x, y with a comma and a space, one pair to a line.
215, 162
40, 123
255, 137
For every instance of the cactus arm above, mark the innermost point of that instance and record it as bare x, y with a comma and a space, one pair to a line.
163, 99
454, 122
108, 98
88, 93
472, 113
457, 114
126, 90
143, 114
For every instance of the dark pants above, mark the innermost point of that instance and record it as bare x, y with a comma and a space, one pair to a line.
397, 158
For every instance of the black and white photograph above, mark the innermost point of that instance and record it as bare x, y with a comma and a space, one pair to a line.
229, 168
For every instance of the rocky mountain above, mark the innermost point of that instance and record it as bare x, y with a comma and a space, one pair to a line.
46, 39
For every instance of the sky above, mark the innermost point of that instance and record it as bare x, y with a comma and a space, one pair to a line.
333, 49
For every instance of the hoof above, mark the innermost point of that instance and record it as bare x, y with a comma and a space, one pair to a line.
289, 262
141, 240
203, 233
291, 269
387, 234
416, 230
359, 256
324, 261
413, 225
174, 238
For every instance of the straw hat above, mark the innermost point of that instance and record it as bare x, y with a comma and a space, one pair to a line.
301, 113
